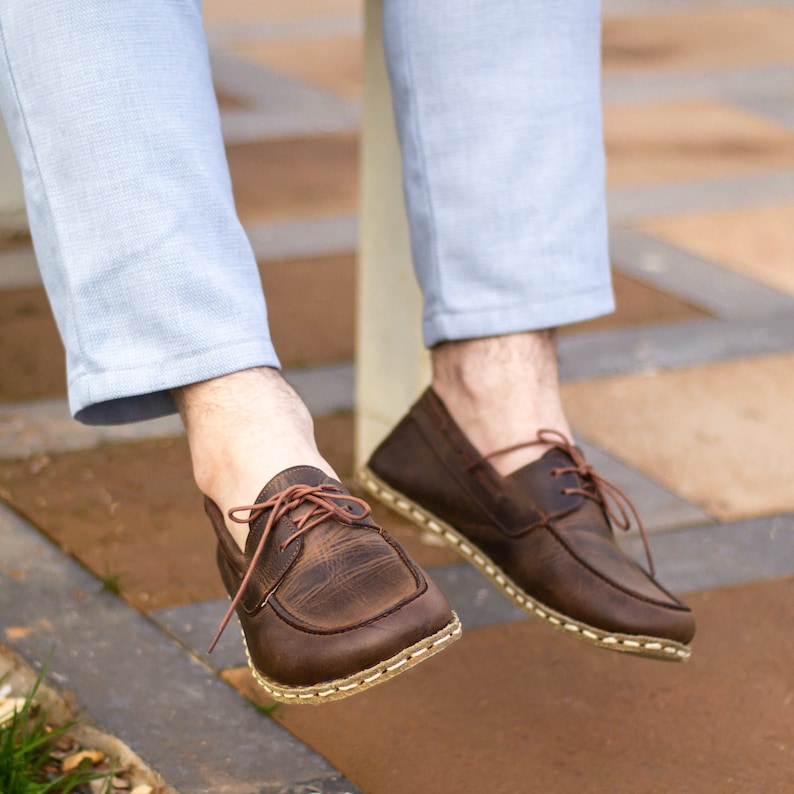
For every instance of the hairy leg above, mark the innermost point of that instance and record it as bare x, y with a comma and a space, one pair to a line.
243, 429
501, 390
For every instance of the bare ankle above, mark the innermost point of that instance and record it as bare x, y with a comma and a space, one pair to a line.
501, 391
243, 429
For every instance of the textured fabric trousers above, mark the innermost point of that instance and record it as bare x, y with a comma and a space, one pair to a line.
110, 108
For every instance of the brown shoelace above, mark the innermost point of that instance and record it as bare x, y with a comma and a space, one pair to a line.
617, 506
325, 503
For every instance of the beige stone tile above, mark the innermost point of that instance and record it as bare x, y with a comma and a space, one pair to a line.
331, 63
757, 242
720, 436
680, 141
699, 39
237, 12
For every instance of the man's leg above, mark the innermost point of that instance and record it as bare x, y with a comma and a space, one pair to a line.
158, 300
498, 112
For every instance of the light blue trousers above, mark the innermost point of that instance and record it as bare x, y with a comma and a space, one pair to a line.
110, 107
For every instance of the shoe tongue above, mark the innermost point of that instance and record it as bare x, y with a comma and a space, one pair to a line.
297, 475
536, 481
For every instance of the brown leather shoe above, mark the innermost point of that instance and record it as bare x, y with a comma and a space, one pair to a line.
329, 603
541, 534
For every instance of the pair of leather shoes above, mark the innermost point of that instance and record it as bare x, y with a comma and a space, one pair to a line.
330, 604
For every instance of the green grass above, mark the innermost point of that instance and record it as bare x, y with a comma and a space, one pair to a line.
27, 763
110, 582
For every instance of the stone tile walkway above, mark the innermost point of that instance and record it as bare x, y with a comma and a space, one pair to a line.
683, 398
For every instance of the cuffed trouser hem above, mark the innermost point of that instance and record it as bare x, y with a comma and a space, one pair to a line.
134, 395
498, 321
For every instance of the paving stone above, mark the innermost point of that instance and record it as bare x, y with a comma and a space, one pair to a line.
219, 13
687, 560
701, 558
729, 85
755, 243
723, 292
303, 238
223, 35
40, 426
631, 205
702, 37
281, 106
195, 625
719, 435
779, 109
659, 508
18, 268
676, 141
653, 348
136, 683
331, 63
306, 177
521, 708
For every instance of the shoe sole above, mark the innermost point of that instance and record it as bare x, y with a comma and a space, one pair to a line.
639, 645
340, 688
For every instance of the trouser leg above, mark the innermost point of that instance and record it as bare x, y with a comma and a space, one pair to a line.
153, 284
498, 112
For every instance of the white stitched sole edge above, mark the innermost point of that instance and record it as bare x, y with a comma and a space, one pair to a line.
352, 684
653, 647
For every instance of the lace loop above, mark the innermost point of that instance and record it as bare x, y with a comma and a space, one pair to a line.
326, 501
616, 504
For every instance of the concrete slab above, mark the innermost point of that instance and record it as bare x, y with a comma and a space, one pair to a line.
517, 707
729, 84
717, 435
723, 555
331, 63
138, 684
724, 293
634, 205
757, 242
693, 559
18, 268
660, 509
652, 348
280, 106
311, 309
285, 180
303, 238
224, 12
676, 141
699, 38
46, 426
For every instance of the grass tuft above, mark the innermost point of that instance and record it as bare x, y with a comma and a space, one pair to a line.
29, 757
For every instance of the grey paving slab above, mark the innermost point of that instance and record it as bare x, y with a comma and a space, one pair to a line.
41, 426
139, 684
778, 109
325, 389
278, 106
686, 560
630, 205
46, 426
721, 84
301, 239
658, 347
721, 292
722, 555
